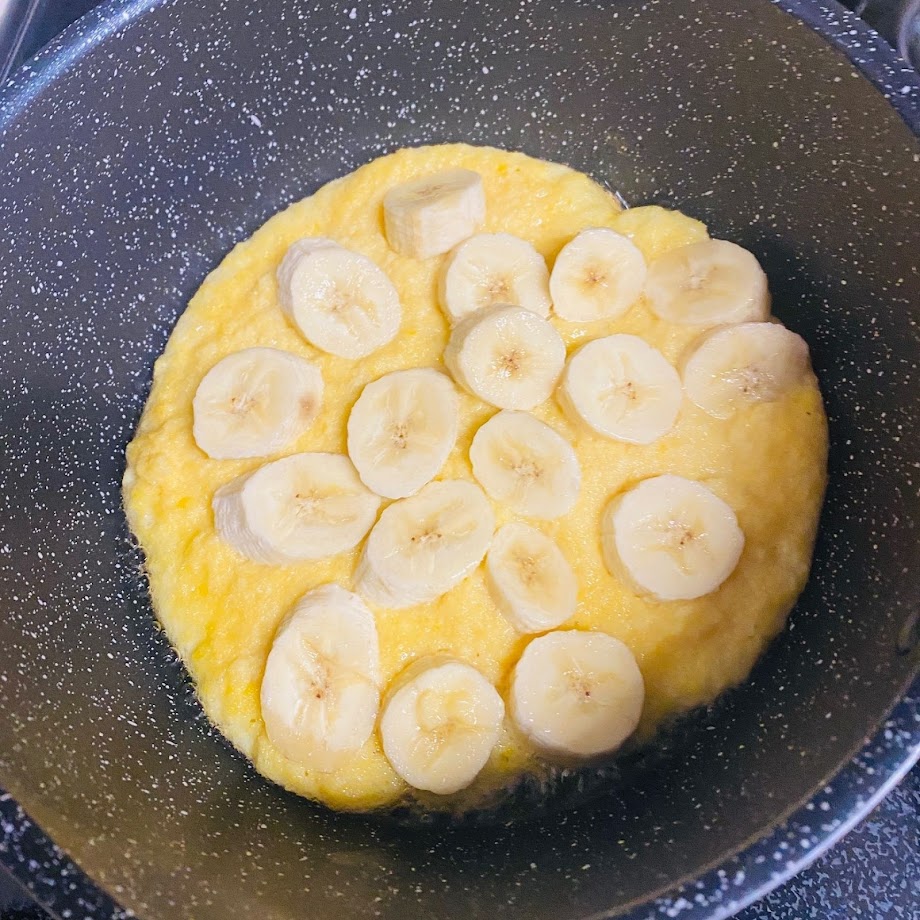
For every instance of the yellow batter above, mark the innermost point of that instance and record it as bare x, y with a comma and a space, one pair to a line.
220, 611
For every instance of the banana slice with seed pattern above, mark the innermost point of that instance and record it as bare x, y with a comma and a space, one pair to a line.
424, 545
531, 580
525, 464
493, 268
744, 364
671, 537
597, 275
622, 388
712, 282
430, 215
306, 506
440, 724
507, 356
255, 402
321, 688
339, 300
402, 429
577, 694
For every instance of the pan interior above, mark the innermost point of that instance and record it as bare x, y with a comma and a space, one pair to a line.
206, 118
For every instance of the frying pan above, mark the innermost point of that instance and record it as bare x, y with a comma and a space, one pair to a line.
153, 136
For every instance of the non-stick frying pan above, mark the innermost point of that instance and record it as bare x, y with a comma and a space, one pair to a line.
156, 134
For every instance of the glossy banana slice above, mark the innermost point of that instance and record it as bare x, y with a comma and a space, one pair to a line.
306, 506
339, 300
712, 282
738, 366
494, 268
507, 356
321, 688
255, 402
424, 545
526, 465
402, 429
440, 724
671, 537
430, 215
622, 388
531, 580
577, 694
597, 275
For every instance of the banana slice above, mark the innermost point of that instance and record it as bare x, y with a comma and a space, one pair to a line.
255, 402
427, 216
744, 364
711, 282
577, 694
306, 506
439, 725
402, 429
424, 545
622, 388
526, 465
321, 688
341, 301
507, 356
492, 268
597, 275
671, 537
531, 580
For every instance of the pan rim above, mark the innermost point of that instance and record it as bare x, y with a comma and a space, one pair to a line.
881, 67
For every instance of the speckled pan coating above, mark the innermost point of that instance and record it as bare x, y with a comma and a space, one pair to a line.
137, 150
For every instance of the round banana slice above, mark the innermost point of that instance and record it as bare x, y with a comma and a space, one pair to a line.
439, 725
622, 388
576, 694
526, 465
306, 506
340, 301
739, 365
402, 429
597, 275
532, 582
671, 537
430, 215
491, 268
507, 356
424, 545
711, 282
321, 688
255, 402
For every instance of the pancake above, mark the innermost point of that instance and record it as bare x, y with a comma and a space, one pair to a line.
221, 611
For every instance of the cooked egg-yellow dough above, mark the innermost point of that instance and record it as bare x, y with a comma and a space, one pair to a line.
220, 611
